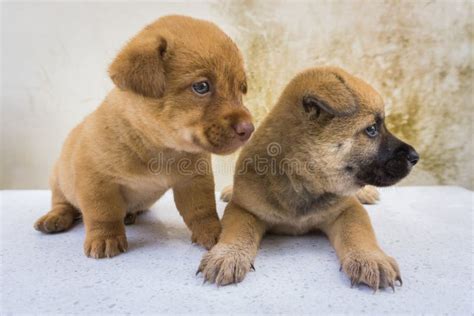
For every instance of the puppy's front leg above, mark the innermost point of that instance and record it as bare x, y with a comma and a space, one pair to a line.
352, 236
231, 259
196, 203
103, 210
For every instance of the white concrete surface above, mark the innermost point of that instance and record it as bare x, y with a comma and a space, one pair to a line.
429, 230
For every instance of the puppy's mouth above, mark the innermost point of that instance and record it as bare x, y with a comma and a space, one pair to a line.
223, 141
393, 162
218, 149
383, 175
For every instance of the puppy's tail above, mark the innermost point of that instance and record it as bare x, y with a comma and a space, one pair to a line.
367, 195
226, 193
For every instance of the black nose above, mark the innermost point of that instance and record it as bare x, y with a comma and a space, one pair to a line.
412, 156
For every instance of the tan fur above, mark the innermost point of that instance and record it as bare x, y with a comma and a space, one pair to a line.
322, 198
366, 195
114, 164
226, 193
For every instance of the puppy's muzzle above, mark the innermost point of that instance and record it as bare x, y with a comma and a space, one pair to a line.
412, 156
394, 161
401, 162
243, 130
398, 150
227, 132
401, 158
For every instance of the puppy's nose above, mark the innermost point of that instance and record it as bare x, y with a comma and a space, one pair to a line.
243, 130
412, 156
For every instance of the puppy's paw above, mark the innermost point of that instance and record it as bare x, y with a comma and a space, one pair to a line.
206, 232
101, 247
368, 195
54, 222
225, 264
373, 268
226, 193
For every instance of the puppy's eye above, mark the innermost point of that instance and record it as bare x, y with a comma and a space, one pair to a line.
201, 87
372, 131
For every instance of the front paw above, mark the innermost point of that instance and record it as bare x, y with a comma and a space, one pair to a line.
225, 264
101, 247
373, 268
206, 232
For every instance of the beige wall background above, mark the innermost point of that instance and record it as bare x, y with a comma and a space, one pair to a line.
417, 54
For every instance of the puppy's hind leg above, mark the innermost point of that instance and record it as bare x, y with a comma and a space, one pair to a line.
368, 195
226, 194
131, 218
61, 217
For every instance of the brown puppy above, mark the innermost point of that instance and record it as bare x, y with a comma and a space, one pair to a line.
323, 141
178, 98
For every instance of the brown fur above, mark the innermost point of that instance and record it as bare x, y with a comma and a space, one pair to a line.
320, 120
366, 195
153, 118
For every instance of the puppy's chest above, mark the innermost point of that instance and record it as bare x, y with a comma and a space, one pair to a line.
301, 225
141, 189
141, 193
155, 170
312, 205
147, 182
302, 215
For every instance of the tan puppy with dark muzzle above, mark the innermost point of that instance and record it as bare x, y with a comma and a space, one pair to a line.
323, 141
178, 99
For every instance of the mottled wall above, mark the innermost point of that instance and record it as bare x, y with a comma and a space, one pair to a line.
418, 54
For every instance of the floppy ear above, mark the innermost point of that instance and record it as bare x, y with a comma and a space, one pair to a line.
330, 95
139, 67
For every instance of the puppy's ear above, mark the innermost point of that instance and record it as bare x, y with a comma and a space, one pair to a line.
140, 68
330, 95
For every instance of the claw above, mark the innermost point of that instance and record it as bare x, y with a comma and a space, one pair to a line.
392, 286
353, 282
376, 287
340, 268
399, 279
198, 271
252, 267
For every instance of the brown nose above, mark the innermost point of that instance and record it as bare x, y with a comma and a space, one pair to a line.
243, 130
